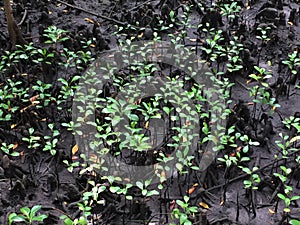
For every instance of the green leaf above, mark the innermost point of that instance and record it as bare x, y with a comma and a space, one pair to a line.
34, 209
40, 217
228, 163
281, 196
294, 198
183, 218
114, 189
245, 159
180, 203
152, 192
144, 192
294, 222
140, 185
15, 154
16, 218
172, 13
287, 210
247, 183
25, 211
255, 77
246, 170
195, 168
66, 219
187, 223
254, 143
287, 201
193, 209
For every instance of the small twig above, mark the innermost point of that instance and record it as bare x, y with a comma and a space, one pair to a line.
56, 209
245, 175
274, 195
92, 13
243, 86
214, 221
138, 6
237, 207
23, 18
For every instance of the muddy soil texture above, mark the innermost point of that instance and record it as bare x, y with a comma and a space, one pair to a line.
265, 32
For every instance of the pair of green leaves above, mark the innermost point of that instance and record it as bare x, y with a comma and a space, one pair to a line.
27, 215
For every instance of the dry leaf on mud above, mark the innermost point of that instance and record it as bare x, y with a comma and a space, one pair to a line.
89, 20
74, 149
295, 139
33, 99
271, 211
204, 205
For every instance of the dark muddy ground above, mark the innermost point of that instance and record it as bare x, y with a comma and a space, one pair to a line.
41, 179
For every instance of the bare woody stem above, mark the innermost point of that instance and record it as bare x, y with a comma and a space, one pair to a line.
15, 34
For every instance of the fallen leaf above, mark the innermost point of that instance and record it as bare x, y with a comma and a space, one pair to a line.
22, 156
172, 204
74, 149
34, 98
89, 20
238, 149
127, 179
271, 211
191, 190
94, 158
13, 126
188, 123
146, 125
35, 102
138, 102
141, 35
204, 205
295, 139
15, 146
269, 63
75, 158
